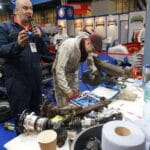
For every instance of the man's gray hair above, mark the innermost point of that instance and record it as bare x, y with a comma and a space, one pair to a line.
18, 2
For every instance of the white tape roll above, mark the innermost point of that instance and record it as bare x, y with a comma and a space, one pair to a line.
122, 135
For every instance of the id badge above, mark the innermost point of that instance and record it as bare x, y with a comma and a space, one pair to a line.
33, 47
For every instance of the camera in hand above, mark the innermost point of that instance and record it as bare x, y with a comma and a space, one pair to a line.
30, 34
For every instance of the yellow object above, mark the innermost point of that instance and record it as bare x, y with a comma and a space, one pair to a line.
57, 118
9, 126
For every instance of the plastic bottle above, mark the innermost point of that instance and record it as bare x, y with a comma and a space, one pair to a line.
146, 109
146, 73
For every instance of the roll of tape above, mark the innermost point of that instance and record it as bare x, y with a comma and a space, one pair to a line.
122, 135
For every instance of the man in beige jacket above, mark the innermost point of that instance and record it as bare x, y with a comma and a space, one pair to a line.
72, 52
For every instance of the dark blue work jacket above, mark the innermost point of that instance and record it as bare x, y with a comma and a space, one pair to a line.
22, 67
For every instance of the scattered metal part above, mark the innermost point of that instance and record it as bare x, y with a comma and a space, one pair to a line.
31, 122
93, 143
70, 141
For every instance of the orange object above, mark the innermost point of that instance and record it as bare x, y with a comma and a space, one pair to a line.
136, 72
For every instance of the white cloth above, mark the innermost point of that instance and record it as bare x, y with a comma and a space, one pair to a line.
120, 49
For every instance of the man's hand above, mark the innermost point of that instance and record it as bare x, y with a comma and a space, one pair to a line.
36, 31
22, 38
72, 95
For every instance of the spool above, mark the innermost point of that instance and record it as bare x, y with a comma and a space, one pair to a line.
122, 135
47, 140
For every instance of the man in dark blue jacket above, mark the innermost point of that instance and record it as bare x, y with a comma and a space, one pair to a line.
21, 43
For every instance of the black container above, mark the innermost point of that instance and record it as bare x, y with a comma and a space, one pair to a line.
80, 140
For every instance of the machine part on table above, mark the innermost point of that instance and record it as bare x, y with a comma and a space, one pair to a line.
80, 140
104, 115
76, 120
49, 110
62, 135
95, 80
92, 79
93, 118
106, 73
111, 70
92, 107
73, 116
115, 116
31, 122
70, 141
99, 118
93, 143
75, 124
